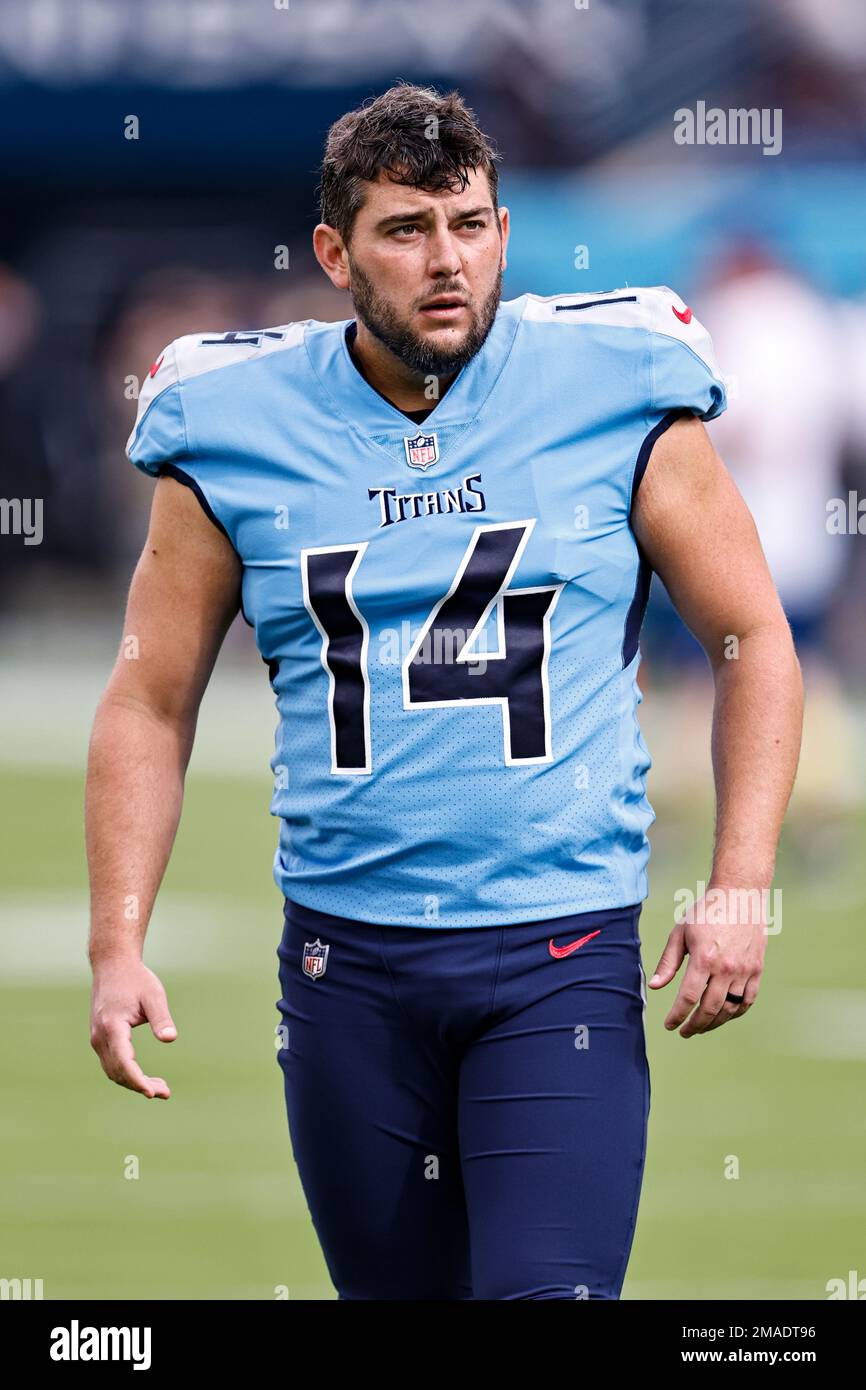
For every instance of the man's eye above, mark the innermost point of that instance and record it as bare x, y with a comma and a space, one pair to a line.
473, 222
411, 226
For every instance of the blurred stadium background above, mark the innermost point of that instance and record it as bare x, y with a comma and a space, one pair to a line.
109, 248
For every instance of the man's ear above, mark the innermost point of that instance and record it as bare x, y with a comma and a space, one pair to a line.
505, 225
330, 251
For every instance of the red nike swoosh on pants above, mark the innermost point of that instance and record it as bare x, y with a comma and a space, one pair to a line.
559, 951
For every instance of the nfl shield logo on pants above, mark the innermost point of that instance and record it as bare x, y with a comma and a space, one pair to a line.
315, 959
422, 451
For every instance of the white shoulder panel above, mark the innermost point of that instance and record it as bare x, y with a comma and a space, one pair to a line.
656, 309
162, 375
673, 318
196, 353
205, 352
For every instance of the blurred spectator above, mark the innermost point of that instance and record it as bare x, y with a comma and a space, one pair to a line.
786, 427
784, 439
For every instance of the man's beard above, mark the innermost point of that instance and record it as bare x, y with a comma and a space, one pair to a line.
417, 353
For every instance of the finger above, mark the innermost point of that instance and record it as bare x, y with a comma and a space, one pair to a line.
691, 990
130, 1075
670, 960
118, 1062
712, 1009
125, 1071
158, 1016
749, 991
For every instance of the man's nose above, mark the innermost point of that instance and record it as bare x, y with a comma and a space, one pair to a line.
444, 255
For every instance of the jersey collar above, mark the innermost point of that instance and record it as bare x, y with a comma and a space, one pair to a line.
369, 412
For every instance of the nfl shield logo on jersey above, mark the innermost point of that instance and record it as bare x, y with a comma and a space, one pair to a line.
422, 451
315, 958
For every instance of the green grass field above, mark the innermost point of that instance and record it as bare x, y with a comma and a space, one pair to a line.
218, 1212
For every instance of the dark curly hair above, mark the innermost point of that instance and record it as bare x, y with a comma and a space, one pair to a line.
422, 138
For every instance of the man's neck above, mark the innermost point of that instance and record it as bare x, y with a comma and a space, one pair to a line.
403, 387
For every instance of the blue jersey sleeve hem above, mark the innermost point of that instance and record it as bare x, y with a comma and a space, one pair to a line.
171, 470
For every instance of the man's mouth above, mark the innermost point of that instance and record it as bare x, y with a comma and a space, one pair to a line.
444, 307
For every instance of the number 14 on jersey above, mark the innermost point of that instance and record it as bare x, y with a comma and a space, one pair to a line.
444, 667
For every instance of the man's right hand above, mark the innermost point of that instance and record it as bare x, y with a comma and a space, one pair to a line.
125, 994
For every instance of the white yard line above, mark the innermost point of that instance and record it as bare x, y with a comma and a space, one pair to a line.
43, 936
50, 707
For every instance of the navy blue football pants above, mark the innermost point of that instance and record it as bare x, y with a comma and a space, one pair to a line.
467, 1107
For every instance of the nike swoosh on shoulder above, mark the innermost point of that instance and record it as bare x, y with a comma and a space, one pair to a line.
558, 952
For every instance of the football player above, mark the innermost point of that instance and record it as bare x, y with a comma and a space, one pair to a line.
441, 518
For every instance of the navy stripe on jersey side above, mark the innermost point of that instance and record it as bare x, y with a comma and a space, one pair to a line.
646, 449
637, 607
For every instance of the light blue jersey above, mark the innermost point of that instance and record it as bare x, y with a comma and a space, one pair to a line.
450, 611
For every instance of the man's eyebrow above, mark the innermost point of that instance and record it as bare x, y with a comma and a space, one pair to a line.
397, 218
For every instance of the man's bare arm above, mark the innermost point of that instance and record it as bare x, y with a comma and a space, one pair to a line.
184, 594
699, 536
